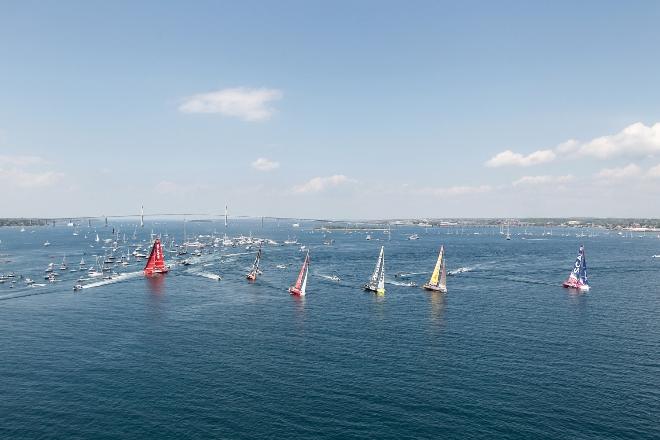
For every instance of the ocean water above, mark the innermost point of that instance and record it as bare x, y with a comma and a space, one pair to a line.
506, 353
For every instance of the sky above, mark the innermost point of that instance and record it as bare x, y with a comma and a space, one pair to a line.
312, 109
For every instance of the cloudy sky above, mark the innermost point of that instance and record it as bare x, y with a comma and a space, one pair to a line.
330, 109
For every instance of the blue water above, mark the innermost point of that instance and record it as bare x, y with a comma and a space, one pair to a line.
506, 353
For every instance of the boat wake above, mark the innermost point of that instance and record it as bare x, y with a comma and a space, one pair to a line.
209, 275
461, 270
328, 277
408, 274
119, 278
401, 283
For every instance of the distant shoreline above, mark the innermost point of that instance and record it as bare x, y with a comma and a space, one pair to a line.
633, 224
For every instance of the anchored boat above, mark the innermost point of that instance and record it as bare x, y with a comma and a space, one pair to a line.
578, 277
438, 281
377, 281
156, 261
301, 282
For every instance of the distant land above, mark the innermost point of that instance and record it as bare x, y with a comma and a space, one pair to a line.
635, 224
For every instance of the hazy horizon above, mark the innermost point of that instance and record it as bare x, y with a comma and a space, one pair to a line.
364, 110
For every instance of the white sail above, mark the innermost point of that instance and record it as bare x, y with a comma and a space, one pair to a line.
304, 284
377, 281
381, 276
374, 276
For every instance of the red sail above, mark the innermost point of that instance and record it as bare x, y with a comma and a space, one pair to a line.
298, 288
156, 262
302, 273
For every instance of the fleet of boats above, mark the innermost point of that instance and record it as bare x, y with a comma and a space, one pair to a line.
155, 265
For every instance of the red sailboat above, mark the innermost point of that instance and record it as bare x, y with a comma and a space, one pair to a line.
156, 261
301, 282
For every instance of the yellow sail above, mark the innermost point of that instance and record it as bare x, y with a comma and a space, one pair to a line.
435, 278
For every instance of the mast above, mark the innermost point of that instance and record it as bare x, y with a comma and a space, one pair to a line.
142, 216
374, 277
435, 277
443, 276
156, 261
225, 216
257, 260
301, 282
583, 266
381, 276
304, 284
302, 272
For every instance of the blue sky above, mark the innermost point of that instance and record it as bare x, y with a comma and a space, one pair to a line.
330, 109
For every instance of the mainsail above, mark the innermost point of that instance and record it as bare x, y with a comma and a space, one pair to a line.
156, 261
252, 275
377, 281
578, 276
301, 282
438, 281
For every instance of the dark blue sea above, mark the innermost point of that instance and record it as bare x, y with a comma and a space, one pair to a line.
506, 353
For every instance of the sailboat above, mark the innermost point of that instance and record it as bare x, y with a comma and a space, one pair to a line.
156, 261
578, 277
377, 281
63, 266
252, 275
142, 216
97, 239
301, 282
82, 265
438, 281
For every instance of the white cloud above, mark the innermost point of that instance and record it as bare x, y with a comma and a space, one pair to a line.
509, 158
318, 184
15, 172
13, 160
567, 147
26, 179
636, 140
543, 180
453, 191
263, 164
244, 103
654, 172
630, 170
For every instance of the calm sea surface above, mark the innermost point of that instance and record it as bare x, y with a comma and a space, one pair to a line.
506, 353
